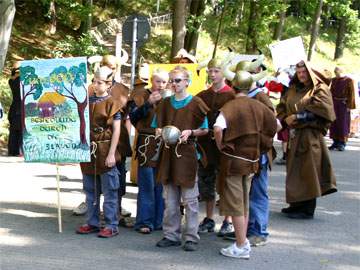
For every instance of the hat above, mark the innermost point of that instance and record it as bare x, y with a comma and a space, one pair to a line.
215, 63
104, 73
182, 53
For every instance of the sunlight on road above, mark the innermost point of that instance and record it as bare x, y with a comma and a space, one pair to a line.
9, 239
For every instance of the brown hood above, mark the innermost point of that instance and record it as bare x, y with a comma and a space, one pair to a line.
315, 75
322, 104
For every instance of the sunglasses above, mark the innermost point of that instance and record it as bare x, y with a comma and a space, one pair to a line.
177, 80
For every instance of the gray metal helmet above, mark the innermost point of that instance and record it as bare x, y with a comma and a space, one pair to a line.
242, 80
170, 134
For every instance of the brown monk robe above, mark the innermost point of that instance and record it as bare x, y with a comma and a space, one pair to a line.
307, 108
145, 156
214, 100
246, 131
264, 99
101, 120
247, 140
120, 93
181, 171
343, 94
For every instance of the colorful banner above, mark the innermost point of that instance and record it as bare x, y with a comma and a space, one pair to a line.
55, 102
197, 81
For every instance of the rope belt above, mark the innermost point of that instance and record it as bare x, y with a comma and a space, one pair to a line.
241, 158
146, 143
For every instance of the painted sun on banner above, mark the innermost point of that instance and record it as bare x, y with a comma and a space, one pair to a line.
55, 102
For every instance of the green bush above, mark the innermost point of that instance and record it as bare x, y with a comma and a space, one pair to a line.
85, 45
5, 93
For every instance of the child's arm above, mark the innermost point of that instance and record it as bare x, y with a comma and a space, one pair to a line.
110, 159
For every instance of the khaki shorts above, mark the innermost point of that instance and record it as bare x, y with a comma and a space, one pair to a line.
235, 199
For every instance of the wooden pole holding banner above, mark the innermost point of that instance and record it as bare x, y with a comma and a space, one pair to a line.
58, 197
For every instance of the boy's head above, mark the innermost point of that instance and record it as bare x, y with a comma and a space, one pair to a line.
159, 79
338, 72
103, 79
109, 61
179, 79
214, 70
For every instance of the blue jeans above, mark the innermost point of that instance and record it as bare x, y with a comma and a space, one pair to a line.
122, 180
259, 203
150, 203
108, 184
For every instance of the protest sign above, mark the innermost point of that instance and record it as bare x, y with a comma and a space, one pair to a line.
287, 53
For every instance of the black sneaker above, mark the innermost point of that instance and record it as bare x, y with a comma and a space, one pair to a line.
163, 243
230, 236
333, 146
341, 147
290, 209
300, 215
190, 246
207, 225
226, 227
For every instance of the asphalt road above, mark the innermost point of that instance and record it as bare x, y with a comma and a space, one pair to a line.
29, 237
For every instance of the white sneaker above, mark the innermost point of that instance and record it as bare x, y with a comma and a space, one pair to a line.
235, 252
80, 210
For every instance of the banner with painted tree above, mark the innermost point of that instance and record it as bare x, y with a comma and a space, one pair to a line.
56, 113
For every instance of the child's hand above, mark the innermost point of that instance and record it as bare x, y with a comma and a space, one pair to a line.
110, 160
185, 134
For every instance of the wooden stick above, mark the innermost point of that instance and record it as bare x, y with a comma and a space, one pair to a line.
58, 197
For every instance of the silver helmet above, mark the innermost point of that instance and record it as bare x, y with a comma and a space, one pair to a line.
170, 134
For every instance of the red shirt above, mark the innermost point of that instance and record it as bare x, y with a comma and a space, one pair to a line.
226, 88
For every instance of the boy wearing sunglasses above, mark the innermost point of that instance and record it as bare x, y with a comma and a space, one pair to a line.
177, 168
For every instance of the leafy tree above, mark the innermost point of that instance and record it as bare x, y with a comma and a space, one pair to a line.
63, 81
348, 25
193, 24
30, 84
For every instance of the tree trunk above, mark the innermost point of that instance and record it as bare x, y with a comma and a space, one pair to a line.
339, 48
52, 11
326, 18
86, 23
315, 29
23, 124
240, 15
81, 111
280, 26
7, 13
251, 32
197, 8
178, 26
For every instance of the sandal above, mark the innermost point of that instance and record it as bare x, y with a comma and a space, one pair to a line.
127, 222
145, 230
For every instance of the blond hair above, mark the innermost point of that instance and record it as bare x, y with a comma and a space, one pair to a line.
163, 74
182, 70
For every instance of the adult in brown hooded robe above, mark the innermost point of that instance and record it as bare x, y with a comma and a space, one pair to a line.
343, 94
307, 108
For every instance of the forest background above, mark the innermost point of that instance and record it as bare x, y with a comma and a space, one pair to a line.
330, 30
